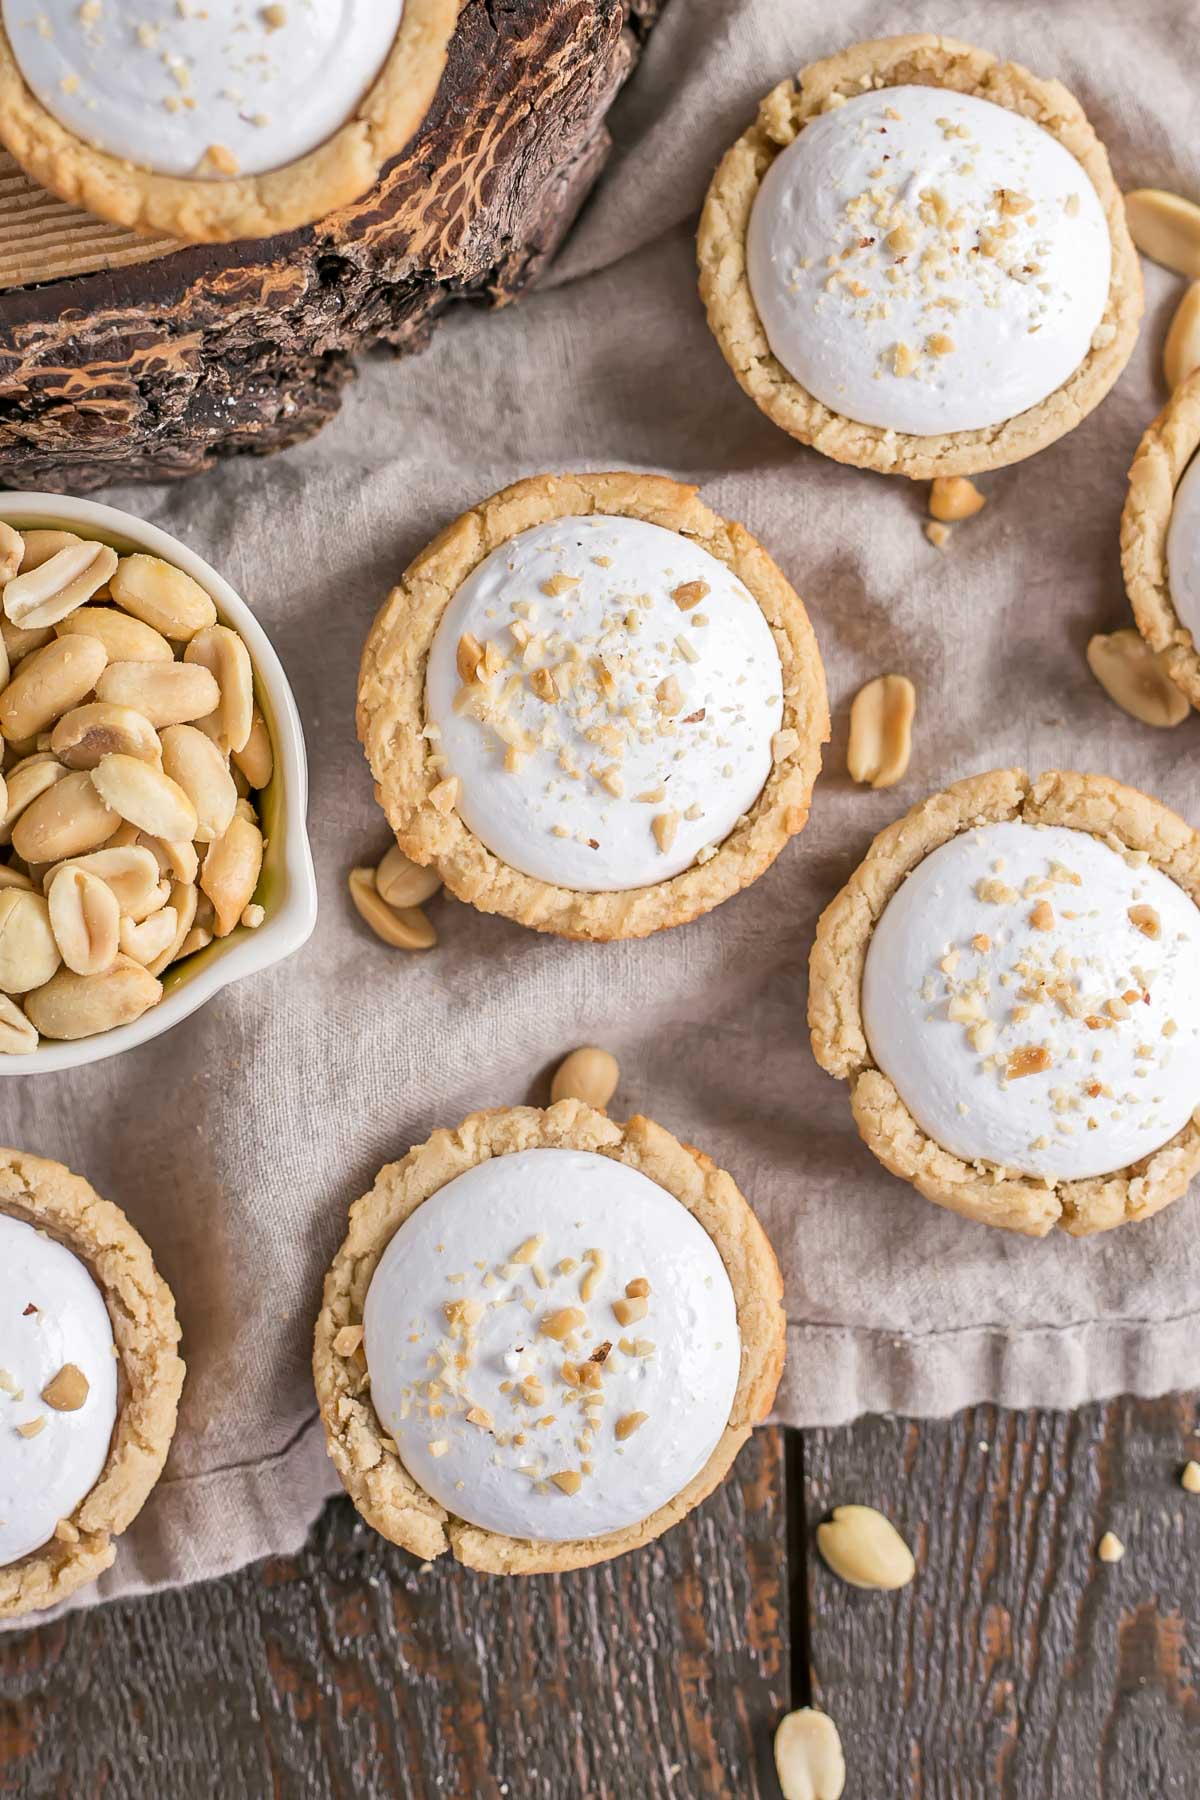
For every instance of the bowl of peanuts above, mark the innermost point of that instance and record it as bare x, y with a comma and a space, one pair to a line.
152, 831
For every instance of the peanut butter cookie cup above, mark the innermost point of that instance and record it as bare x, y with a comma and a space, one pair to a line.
89, 1380
545, 1339
916, 259
1160, 537
594, 706
1010, 983
217, 121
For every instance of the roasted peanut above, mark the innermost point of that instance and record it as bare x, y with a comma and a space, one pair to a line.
130, 870
224, 655
12, 549
1166, 228
865, 1549
72, 1006
17, 1036
48, 683
141, 794
41, 545
67, 580
28, 951
162, 596
86, 733
953, 497
1181, 352
165, 693
85, 920
256, 758
125, 638
404, 928
184, 896
10, 877
590, 1075
69, 819
404, 883
230, 871
147, 942
194, 761
881, 719
24, 782
198, 938
19, 643
808, 1756
1136, 678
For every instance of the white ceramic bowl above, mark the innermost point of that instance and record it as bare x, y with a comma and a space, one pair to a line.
287, 888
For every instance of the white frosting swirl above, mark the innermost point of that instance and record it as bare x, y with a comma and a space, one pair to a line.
628, 723
1035, 997
479, 1406
1183, 550
51, 1314
927, 261
208, 88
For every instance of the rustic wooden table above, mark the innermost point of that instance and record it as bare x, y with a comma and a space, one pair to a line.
1015, 1665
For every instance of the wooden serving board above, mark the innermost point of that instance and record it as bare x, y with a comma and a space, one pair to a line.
131, 358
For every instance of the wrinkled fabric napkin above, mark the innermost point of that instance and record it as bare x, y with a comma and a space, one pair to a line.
237, 1142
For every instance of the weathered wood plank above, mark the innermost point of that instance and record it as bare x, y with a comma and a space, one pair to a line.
349, 1671
1016, 1666
153, 369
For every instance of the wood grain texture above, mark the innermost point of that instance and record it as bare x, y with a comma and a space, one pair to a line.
1016, 1666
154, 370
351, 1671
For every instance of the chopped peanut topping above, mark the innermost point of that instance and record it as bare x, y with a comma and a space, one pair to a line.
562, 1323
1030, 1059
569, 1480
628, 1424
629, 1311
1146, 920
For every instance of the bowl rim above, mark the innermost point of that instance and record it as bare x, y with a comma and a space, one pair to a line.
290, 923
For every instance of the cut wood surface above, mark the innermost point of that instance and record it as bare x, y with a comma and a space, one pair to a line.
1015, 1667
123, 358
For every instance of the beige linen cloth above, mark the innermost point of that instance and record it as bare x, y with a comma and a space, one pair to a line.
237, 1142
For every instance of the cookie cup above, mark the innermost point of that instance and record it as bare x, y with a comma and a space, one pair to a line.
249, 206
384, 1493
145, 1331
1162, 457
1117, 815
920, 60
391, 712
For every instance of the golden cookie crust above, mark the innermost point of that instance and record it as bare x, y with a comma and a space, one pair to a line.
248, 206
145, 1331
1118, 815
927, 61
391, 712
1156, 471
377, 1482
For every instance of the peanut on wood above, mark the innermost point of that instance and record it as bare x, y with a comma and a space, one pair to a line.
808, 1756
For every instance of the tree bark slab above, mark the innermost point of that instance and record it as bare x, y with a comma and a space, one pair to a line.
149, 362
